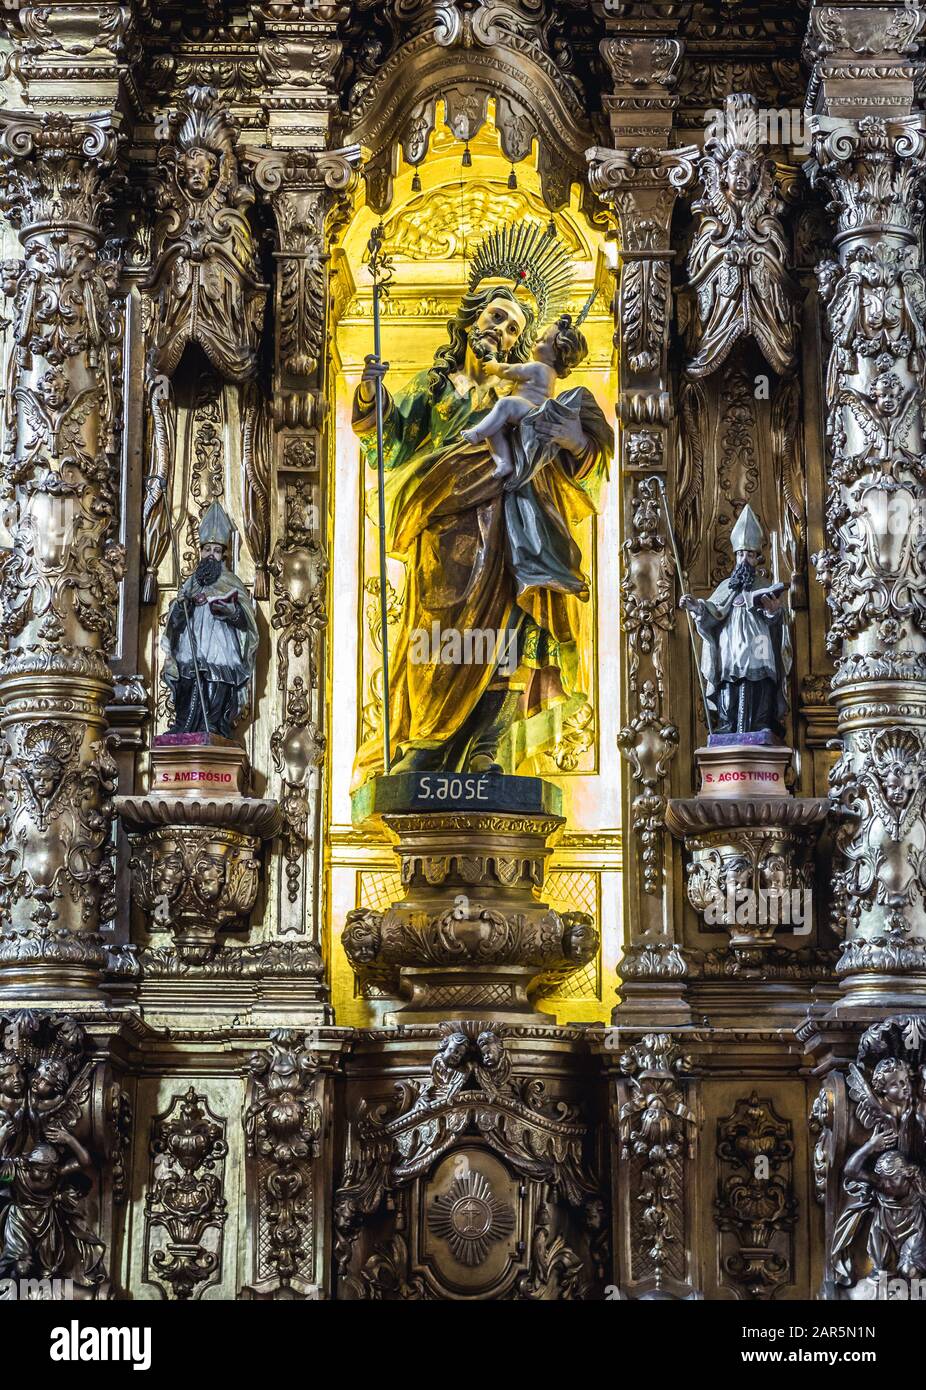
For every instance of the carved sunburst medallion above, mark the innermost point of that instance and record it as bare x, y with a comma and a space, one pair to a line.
470, 1218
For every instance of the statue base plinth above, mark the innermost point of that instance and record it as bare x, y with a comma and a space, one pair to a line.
453, 791
197, 765
470, 936
742, 769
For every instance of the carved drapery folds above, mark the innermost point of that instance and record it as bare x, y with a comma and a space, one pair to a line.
59, 581
873, 565
207, 289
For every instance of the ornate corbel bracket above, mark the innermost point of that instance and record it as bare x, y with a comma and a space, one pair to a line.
306, 190
196, 864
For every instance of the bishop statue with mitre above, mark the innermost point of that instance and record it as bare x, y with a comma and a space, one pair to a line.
210, 638
746, 653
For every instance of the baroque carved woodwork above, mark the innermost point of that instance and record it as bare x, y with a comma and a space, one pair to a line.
54, 1133
59, 580
185, 1206
488, 1177
217, 1081
283, 1126
207, 291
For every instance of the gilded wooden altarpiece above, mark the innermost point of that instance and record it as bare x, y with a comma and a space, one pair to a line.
259, 1046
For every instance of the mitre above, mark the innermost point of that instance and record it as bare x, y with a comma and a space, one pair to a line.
215, 527
747, 534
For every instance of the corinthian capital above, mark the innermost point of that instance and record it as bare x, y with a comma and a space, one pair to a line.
872, 168
53, 167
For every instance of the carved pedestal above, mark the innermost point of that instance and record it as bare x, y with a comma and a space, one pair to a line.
750, 871
196, 863
470, 935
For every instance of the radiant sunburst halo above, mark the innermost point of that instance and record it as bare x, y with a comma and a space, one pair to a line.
470, 1218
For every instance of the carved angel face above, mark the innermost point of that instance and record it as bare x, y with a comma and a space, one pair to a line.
210, 876
897, 783
169, 873
887, 393
891, 1081
454, 1049
198, 169
12, 1077
896, 1178
45, 777
53, 388
741, 174
490, 1049
49, 1079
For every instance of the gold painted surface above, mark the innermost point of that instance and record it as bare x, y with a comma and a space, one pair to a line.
432, 233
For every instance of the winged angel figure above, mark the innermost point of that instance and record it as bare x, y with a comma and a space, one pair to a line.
736, 265
876, 308
883, 1180
44, 1166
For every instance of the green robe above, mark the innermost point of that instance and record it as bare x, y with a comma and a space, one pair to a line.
446, 520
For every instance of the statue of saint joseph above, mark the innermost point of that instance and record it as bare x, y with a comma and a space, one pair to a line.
458, 525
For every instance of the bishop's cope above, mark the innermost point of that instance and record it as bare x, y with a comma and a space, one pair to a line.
488, 549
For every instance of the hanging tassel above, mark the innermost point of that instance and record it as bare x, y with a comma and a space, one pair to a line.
416, 182
467, 157
512, 179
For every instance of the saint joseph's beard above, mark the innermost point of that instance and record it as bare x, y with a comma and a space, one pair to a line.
208, 571
484, 345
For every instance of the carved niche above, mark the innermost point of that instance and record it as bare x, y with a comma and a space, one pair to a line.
206, 286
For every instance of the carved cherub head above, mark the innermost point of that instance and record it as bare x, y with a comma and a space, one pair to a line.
896, 762
887, 392
168, 873
197, 170
12, 1076
42, 1165
45, 776
53, 388
210, 877
454, 1050
491, 1049
741, 174
50, 1078
896, 1178
891, 1081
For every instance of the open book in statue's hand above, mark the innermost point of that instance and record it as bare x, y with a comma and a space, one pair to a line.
225, 606
755, 597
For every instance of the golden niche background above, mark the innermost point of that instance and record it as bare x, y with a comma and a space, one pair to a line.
430, 235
